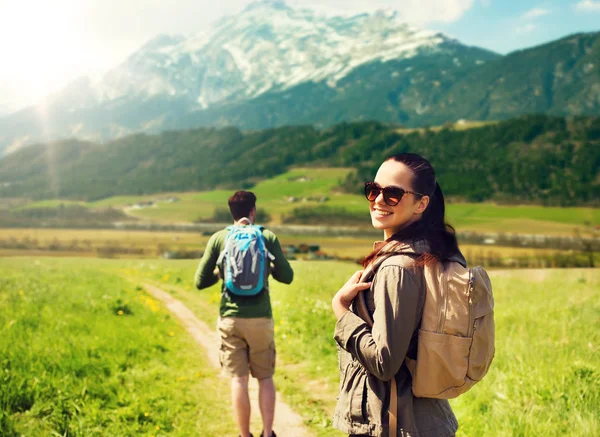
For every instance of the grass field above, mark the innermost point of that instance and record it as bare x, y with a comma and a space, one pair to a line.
85, 353
545, 379
51, 204
309, 185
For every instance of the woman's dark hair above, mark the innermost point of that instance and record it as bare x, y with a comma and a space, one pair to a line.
241, 203
432, 227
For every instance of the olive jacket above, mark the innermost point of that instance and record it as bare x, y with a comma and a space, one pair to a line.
370, 357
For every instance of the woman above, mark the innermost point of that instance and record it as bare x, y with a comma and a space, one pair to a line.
407, 204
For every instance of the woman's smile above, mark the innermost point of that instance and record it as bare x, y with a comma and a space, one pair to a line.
377, 212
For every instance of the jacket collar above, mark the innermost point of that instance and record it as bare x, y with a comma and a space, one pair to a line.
416, 247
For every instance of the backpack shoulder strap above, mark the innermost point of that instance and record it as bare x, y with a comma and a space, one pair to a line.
267, 251
369, 273
231, 229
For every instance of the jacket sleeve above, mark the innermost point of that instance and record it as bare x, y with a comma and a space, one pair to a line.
381, 349
205, 276
282, 271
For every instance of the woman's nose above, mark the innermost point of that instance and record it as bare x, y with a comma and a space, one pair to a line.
379, 199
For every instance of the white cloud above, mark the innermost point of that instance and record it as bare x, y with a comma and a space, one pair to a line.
447, 11
528, 28
535, 12
588, 6
413, 11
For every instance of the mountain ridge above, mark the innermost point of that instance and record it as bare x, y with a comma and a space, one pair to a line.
272, 65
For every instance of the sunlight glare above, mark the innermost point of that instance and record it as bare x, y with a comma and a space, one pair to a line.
40, 44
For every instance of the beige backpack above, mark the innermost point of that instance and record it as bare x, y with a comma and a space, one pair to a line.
456, 336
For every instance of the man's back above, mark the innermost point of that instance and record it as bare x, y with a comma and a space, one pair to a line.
242, 306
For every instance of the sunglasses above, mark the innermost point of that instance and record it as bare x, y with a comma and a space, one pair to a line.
391, 195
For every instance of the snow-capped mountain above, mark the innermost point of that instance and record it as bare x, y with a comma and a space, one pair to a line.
176, 81
272, 65
267, 47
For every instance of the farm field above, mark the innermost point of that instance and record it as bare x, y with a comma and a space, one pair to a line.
545, 379
90, 240
309, 187
150, 244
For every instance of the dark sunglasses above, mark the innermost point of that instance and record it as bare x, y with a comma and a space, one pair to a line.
391, 195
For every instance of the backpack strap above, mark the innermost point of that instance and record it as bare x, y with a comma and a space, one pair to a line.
220, 258
222, 254
393, 409
360, 301
363, 312
268, 253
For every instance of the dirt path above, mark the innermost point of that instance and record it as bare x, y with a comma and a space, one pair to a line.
287, 422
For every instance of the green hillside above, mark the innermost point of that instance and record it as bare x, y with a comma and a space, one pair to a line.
315, 196
558, 78
533, 159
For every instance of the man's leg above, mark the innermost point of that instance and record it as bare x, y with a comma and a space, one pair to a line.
241, 403
266, 401
234, 361
260, 337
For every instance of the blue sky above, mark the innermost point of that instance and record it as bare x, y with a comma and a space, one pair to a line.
43, 50
508, 25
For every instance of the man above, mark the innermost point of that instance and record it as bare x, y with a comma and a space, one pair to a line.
246, 322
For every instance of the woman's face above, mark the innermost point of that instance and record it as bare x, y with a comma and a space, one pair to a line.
391, 219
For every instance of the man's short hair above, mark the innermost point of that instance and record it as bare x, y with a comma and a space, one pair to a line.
241, 203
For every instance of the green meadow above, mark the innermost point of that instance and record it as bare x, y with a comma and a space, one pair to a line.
85, 351
545, 379
318, 187
51, 204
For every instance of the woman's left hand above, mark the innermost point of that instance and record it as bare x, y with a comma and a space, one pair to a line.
344, 297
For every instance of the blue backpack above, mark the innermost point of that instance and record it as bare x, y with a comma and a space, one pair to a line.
245, 260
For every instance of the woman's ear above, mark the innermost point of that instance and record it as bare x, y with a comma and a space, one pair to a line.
423, 204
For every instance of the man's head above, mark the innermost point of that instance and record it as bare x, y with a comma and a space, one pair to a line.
243, 204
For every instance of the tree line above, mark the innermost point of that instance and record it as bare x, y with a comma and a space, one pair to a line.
531, 159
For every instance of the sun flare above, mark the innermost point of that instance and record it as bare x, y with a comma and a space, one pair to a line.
41, 44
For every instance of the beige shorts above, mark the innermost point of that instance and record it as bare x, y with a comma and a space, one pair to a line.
247, 346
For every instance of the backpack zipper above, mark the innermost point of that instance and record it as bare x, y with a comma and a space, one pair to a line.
470, 288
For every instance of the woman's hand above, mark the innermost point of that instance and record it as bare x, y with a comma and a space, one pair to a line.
344, 297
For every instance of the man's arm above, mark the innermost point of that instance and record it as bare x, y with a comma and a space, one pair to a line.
205, 274
282, 271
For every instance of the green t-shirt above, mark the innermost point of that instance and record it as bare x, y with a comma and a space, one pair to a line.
242, 306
